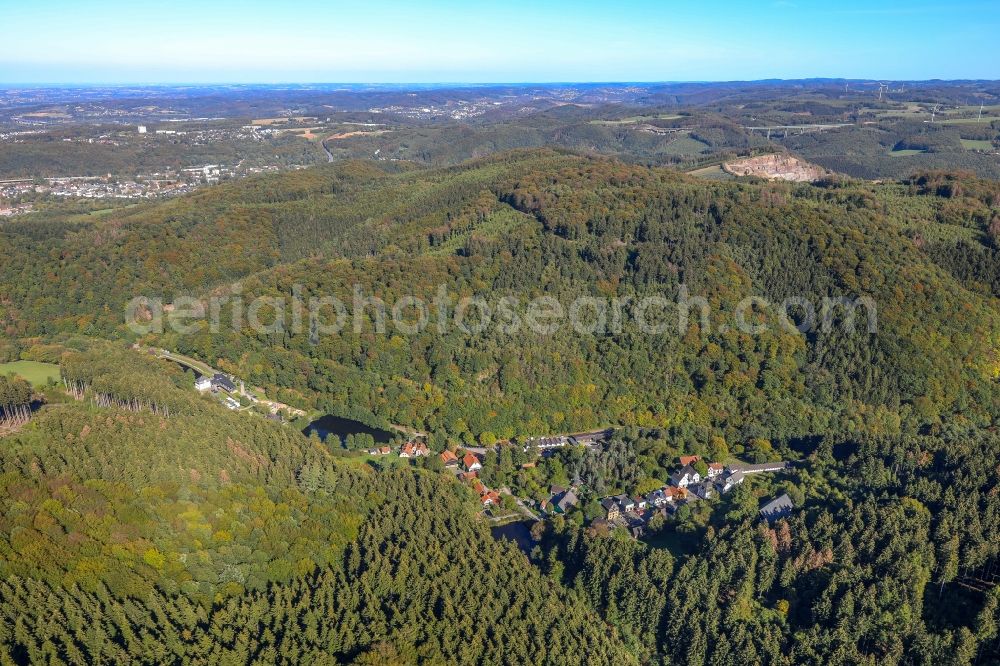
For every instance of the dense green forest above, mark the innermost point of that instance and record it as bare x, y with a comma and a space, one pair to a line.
143, 522
217, 538
544, 223
892, 559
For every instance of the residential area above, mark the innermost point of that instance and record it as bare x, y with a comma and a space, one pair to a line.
693, 481
688, 485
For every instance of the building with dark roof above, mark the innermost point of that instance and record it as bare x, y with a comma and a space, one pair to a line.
730, 481
611, 507
220, 381
685, 476
567, 501
704, 490
778, 508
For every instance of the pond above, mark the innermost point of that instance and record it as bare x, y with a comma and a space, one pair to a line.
328, 425
519, 533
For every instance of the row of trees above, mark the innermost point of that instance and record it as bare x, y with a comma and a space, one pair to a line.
112, 376
15, 401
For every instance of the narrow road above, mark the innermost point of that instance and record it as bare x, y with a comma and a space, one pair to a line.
520, 504
497, 519
526, 511
187, 361
329, 155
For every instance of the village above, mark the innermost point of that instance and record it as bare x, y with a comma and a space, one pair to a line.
688, 485
149, 186
693, 481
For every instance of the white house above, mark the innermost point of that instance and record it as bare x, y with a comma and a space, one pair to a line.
547, 443
657, 498
685, 476
731, 481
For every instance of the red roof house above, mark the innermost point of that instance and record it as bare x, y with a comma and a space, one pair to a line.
490, 498
471, 463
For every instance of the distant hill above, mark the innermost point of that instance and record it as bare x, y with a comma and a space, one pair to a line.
546, 222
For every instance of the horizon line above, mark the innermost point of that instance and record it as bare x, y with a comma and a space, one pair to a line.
621, 82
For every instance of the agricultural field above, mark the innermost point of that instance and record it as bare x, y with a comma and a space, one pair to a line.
977, 144
631, 120
965, 121
714, 172
35, 373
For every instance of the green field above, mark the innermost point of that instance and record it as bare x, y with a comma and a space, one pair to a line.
714, 172
98, 213
967, 121
977, 144
631, 120
905, 152
37, 374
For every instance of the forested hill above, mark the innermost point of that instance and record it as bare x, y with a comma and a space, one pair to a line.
130, 536
140, 522
544, 222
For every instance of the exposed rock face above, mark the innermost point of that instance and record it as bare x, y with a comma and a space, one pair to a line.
776, 166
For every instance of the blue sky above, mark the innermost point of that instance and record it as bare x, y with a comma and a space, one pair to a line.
512, 41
